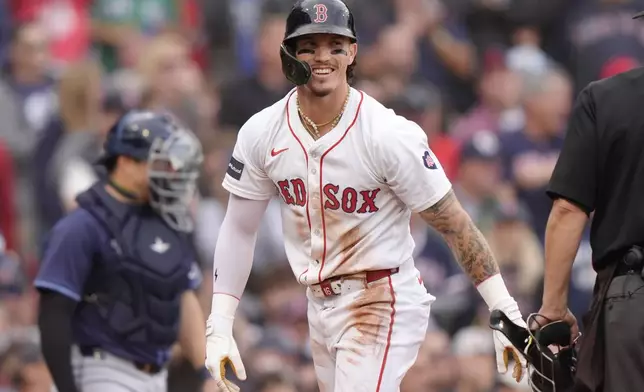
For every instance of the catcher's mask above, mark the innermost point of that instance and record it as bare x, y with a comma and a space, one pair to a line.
550, 355
174, 164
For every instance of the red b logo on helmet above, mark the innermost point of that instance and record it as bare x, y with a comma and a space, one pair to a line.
320, 13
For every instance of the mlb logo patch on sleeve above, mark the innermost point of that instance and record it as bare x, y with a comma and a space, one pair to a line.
428, 161
235, 168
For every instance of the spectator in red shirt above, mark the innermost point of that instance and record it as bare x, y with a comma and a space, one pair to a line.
8, 223
66, 22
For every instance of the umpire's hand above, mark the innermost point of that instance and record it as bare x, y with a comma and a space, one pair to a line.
548, 314
221, 350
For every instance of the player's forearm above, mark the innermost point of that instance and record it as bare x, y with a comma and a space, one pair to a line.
464, 239
233, 261
54, 324
563, 235
192, 331
236, 245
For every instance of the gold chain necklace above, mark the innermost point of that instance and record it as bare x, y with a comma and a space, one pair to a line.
311, 126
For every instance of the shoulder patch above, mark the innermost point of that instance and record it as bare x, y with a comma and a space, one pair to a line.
428, 161
235, 168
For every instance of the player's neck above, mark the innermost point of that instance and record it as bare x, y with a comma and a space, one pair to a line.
120, 188
322, 110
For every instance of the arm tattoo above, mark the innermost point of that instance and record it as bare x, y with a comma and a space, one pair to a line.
464, 239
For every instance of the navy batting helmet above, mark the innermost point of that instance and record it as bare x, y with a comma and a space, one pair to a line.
312, 17
174, 156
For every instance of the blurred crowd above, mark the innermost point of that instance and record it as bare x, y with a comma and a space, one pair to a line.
492, 83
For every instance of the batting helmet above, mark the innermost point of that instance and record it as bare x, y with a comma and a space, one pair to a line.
174, 156
548, 371
312, 17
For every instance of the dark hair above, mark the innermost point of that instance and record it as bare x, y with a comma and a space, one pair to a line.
351, 71
110, 164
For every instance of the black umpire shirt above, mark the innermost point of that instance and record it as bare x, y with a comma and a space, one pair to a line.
601, 165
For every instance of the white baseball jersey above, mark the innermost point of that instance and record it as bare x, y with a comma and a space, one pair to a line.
346, 197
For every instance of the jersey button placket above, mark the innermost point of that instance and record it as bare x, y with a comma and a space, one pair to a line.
317, 240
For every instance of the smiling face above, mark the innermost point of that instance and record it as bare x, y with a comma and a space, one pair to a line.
329, 57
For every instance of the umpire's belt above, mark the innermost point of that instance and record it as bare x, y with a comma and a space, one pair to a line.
99, 353
348, 283
630, 262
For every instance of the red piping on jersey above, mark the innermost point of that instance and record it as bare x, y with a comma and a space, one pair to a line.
321, 187
306, 155
299, 278
391, 328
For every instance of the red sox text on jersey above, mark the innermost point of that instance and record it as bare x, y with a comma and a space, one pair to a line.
348, 199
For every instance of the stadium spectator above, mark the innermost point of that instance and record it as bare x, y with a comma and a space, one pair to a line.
122, 29
81, 143
435, 354
65, 22
518, 252
24, 366
243, 97
529, 156
173, 82
27, 97
601, 39
498, 94
473, 347
27, 102
8, 217
479, 177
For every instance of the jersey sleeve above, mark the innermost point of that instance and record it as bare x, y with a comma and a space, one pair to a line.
245, 176
575, 174
68, 255
409, 167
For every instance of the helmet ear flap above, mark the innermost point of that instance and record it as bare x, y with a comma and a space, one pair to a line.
296, 71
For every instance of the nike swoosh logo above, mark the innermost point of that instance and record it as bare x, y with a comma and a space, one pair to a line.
276, 153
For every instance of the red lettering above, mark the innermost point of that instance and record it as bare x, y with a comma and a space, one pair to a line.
368, 201
349, 200
285, 191
331, 202
300, 191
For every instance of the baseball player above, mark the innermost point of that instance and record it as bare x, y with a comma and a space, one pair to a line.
349, 173
118, 271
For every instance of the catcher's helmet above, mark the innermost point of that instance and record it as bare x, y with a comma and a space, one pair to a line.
549, 371
312, 17
173, 154
133, 134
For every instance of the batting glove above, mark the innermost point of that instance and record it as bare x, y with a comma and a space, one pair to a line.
496, 296
221, 348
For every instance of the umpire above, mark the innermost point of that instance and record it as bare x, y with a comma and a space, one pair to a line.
118, 272
600, 173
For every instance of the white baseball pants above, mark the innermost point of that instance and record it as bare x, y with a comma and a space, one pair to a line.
365, 340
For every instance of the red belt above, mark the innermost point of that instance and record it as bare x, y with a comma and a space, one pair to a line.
370, 277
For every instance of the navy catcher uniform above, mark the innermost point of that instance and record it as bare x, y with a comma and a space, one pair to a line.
115, 269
